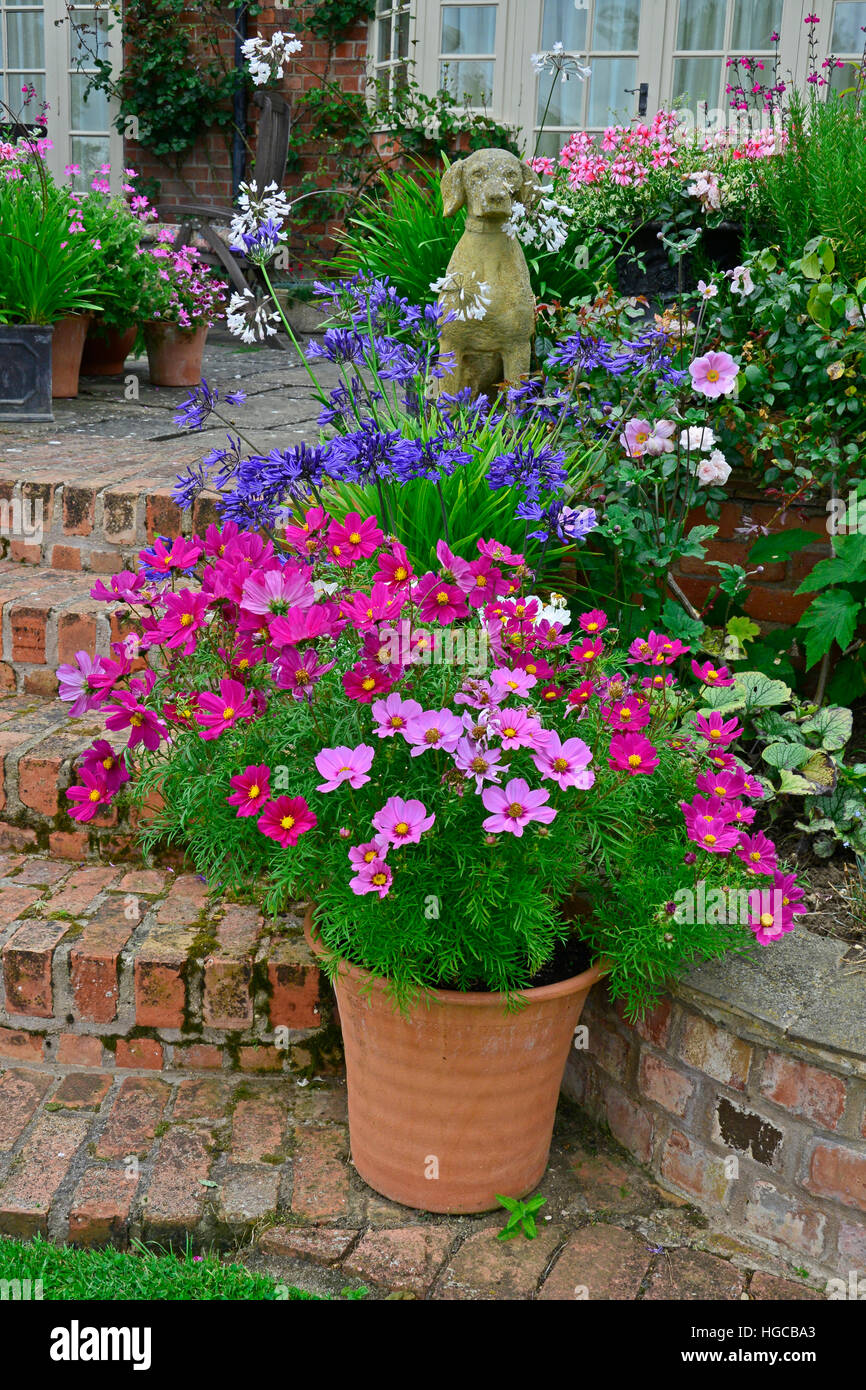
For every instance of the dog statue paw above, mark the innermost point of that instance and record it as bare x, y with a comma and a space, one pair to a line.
486, 286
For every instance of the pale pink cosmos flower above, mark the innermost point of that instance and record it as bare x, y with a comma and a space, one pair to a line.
403, 822
342, 764
478, 762
514, 806
517, 729
566, 763
434, 728
277, 591
391, 716
374, 877
361, 855
507, 682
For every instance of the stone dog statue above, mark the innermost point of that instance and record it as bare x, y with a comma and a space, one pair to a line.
487, 282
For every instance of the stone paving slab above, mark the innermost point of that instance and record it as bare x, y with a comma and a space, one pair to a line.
262, 1166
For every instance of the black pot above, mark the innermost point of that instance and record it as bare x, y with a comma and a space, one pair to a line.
25, 372
722, 245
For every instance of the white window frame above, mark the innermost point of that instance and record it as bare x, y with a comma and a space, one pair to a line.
429, 50
386, 66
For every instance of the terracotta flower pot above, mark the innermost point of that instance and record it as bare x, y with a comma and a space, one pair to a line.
174, 354
106, 349
456, 1102
67, 346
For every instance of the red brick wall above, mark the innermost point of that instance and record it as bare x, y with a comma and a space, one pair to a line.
205, 171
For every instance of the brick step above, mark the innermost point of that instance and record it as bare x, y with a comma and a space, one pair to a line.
98, 523
130, 968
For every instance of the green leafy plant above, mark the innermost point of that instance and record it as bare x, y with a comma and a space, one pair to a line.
836, 616
521, 1217
48, 263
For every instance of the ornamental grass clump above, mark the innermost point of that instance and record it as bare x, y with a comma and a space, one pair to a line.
432, 759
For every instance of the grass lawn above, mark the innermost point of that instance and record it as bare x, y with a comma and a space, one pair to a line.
141, 1273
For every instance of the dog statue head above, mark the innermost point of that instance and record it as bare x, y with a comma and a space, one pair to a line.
489, 183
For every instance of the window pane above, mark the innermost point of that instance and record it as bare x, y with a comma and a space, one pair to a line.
697, 79
384, 40
88, 151
551, 142
608, 99
848, 37
615, 24
88, 41
754, 22
382, 6
403, 35
563, 23
566, 101
15, 96
89, 114
24, 37
701, 24
468, 28
844, 78
470, 82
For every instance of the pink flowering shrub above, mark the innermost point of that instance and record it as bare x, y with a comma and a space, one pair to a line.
182, 289
429, 759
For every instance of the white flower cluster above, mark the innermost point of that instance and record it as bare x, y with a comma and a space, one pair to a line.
715, 467
560, 63
254, 208
265, 61
705, 186
468, 297
251, 319
543, 227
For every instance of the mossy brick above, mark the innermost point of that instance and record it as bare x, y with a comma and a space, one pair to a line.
27, 1194
94, 958
27, 960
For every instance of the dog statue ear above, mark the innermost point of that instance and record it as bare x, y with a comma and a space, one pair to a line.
530, 189
453, 191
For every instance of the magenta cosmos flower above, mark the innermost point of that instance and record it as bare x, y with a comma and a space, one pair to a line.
716, 836
403, 822
514, 806
714, 374
276, 591
709, 674
184, 616
374, 877
433, 728
216, 713
593, 621
342, 764
106, 764
632, 753
758, 853
92, 793
566, 763
78, 683
717, 730
286, 820
355, 538
438, 601
144, 726
252, 787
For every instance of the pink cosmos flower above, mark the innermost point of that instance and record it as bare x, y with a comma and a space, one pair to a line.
304, 624
181, 554
78, 683
89, 795
433, 729
125, 586
252, 789
580, 696
216, 713
724, 786
360, 855
453, 567
700, 810
716, 729
402, 822
365, 610
629, 713
709, 674
739, 812
506, 682
105, 764
308, 536
299, 671
514, 806
716, 836
640, 653
751, 786
495, 550
767, 919
479, 762
587, 650
286, 819
485, 582
275, 592
365, 681
476, 693
758, 853
395, 569
566, 763
391, 716
438, 601
184, 616
721, 760
594, 621
216, 539
342, 764
793, 897
714, 374
355, 538
374, 877
145, 726
632, 753
517, 729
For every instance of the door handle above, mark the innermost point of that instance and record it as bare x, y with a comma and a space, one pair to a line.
642, 96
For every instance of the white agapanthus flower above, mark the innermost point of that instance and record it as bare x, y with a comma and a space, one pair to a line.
469, 297
697, 438
554, 611
250, 319
714, 469
265, 60
560, 63
254, 208
543, 227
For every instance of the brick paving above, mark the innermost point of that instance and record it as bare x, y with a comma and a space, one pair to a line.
261, 1166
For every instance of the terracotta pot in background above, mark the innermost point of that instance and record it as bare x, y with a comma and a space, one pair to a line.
174, 354
106, 349
462, 1088
67, 346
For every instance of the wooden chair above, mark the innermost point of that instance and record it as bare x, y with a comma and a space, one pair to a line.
272, 148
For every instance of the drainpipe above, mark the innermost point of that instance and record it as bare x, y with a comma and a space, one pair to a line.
239, 152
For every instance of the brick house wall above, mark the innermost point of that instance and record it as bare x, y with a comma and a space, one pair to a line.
204, 173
